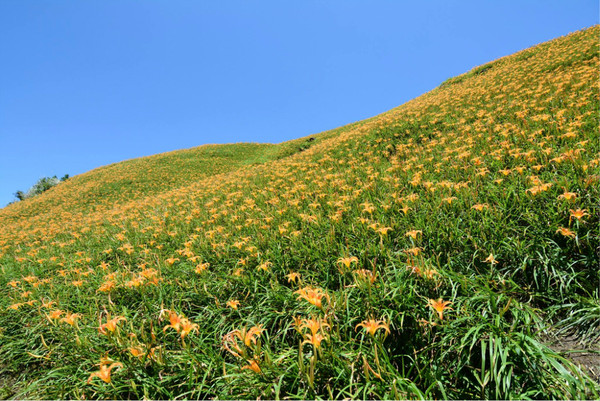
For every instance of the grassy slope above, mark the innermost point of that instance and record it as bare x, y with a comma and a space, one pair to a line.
461, 194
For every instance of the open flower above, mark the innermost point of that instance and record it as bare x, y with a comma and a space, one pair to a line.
439, 306
104, 372
187, 327
264, 266
314, 339
137, 352
200, 267
372, 325
312, 295
347, 261
55, 314
180, 324
566, 232
413, 233
578, 214
233, 303
449, 199
313, 324
110, 325
71, 318
171, 261
293, 277
174, 320
568, 196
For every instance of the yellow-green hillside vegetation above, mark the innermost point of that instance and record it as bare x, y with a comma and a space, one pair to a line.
434, 251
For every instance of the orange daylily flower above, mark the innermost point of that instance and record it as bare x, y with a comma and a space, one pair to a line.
48, 304
55, 314
579, 213
383, 230
265, 266
372, 325
181, 325
449, 199
71, 318
439, 306
415, 251
491, 259
480, 206
253, 366
104, 372
566, 232
248, 337
171, 261
293, 277
312, 295
413, 233
200, 267
366, 275
187, 327
314, 339
137, 352
175, 321
568, 196
110, 325
347, 261
314, 325
233, 303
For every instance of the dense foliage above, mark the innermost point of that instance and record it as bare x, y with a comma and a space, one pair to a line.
42, 185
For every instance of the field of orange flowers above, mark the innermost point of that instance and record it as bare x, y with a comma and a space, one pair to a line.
434, 251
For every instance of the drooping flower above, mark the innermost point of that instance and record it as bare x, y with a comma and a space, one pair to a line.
247, 337
253, 366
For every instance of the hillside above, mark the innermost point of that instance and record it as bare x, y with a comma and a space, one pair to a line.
437, 250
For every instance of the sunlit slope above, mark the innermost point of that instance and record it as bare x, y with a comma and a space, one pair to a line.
420, 253
109, 187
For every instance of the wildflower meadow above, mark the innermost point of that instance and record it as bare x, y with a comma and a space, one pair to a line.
438, 250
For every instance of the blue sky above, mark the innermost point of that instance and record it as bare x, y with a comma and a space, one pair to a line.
88, 83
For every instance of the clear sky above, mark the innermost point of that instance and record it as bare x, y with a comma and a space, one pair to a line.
88, 83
